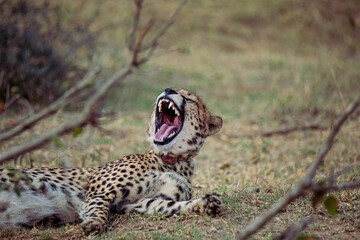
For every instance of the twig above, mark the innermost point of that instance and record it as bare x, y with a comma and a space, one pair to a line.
299, 189
282, 131
27, 104
51, 109
260, 221
8, 104
109, 132
332, 178
293, 231
138, 44
81, 120
316, 188
330, 140
135, 23
161, 32
150, 54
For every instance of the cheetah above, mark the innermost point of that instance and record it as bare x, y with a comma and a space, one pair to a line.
157, 181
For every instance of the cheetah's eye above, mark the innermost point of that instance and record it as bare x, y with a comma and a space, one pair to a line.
169, 121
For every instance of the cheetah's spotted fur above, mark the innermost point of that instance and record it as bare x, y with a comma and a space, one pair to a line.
159, 180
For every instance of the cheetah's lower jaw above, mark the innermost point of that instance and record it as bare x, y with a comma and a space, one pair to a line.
165, 131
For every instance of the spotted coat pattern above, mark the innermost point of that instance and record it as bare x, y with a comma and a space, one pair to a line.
158, 181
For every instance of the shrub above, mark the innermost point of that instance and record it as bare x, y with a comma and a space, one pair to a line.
37, 48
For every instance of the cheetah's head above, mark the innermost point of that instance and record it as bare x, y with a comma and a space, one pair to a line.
179, 125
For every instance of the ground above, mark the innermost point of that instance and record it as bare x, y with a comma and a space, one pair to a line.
259, 65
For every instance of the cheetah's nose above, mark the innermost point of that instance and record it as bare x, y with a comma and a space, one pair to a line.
169, 91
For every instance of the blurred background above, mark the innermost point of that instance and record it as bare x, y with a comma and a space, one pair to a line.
302, 54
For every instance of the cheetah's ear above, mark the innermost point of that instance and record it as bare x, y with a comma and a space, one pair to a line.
215, 124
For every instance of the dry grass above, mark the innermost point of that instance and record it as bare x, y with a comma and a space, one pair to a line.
259, 68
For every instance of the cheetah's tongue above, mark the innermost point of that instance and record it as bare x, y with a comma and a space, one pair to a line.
167, 127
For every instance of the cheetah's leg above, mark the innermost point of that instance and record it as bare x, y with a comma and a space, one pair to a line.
173, 197
209, 204
96, 215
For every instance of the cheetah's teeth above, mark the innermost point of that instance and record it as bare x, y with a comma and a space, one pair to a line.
170, 106
160, 106
172, 134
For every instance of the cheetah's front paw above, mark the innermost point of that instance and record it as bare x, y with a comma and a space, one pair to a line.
93, 226
213, 205
210, 204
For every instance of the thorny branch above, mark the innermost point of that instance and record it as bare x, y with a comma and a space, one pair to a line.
307, 183
89, 113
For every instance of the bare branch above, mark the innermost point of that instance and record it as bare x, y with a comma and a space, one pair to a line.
330, 140
108, 132
132, 35
283, 131
332, 178
161, 32
293, 231
51, 109
299, 189
27, 104
149, 55
81, 120
260, 221
316, 188
138, 44
8, 104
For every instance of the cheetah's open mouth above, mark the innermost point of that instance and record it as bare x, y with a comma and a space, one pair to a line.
168, 121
